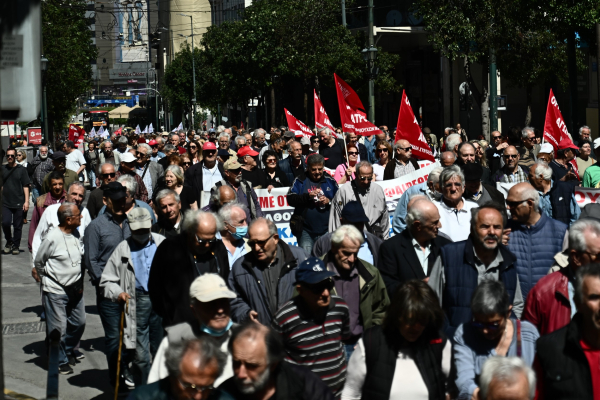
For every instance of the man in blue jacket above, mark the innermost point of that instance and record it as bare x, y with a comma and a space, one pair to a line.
534, 238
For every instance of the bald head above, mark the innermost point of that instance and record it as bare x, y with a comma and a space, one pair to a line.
403, 150
414, 199
523, 202
447, 159
226, 195
423, 220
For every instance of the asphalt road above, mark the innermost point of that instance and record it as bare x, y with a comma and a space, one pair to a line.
25, 359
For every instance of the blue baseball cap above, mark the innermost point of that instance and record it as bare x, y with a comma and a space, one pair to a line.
312, 270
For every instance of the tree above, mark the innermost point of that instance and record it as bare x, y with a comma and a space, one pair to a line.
68, 48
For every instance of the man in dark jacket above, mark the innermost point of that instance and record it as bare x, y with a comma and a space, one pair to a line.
269, 377
196, 175
475, 189
264, 278
461, 265
194, 365
179, 260
92, 161
494, 152
411, 254
534, 237
466, 155
402, 163
567, 360
95, 202
294, 165
353, 213
170, 217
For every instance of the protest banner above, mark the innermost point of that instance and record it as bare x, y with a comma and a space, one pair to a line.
34, 136
321, 118
554, 126
297, 126
408, 129
354, 120
586, 196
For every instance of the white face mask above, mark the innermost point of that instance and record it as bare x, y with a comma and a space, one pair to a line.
141, 238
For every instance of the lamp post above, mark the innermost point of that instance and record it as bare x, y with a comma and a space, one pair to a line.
44, 65
370, 55
193, 67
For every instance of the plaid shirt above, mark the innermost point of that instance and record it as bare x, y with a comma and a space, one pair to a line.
41, 170
519, 176
142, 193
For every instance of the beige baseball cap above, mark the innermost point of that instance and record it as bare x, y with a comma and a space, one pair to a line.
139, 218
209, 287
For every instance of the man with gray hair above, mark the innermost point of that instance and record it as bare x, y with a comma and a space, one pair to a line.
121, 149
411, 254
42, 165
372, 198
534, 237
131, 203
530, 148
431, 189
194, 366
235, 229
170, 217
174, 140
259, 139
452, 142
224, 144
455, 210
58, 264
148, 170
550, 303
557, 198
331, 148
506, 378
568, 359
403, 163
181, 259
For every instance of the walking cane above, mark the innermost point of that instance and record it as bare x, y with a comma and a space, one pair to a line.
123, 311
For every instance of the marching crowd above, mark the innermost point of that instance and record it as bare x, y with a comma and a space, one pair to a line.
464, 292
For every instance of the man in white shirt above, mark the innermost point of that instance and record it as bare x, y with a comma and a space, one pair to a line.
455, 210
75, 159
235, 229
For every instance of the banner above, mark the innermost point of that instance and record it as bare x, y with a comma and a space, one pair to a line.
321, 118
145, 129
150, 128
138, 130
408, 129
179, 127
586, 196
554, 127
297, 126
76, 133
34, 136
353, 119
92, 132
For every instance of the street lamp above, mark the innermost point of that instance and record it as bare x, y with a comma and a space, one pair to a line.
370, 55
193, 67
44, 65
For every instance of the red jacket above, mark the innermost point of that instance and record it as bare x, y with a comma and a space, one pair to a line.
547, 305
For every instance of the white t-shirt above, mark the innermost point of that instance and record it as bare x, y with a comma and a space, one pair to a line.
75, 160
378, 170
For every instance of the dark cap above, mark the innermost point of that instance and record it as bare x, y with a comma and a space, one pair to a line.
223, 154
289, 134
354, 212
426, 131
114, 191
58, 155
472, 171
312, 270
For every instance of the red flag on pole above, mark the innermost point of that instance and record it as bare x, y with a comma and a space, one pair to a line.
118, 131
321, 118
76, 133
554, 127
297, 126
353, 119
409, 129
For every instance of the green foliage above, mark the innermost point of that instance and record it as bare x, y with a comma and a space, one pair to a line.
68, 48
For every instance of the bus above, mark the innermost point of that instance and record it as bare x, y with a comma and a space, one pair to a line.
95, 119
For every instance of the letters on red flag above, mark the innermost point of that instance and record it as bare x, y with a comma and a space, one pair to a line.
348, 93
321, 118
76, 133
353, 119
409, 129
554, 127
297, 126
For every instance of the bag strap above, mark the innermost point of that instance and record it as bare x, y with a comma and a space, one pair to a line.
519, 345
146, 170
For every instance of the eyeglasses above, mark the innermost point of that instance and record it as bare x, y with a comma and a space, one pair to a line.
315, 141
404, 148
10, 156
109, 175
382, 150
320, 287
187, 163
193, 147
515, 204
353, 153
365, 178
511, 155
271, 161
205, 241
496, 137
260, 243
140, 155
188, 386
480, 325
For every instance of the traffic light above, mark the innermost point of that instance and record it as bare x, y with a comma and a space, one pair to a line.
154, 40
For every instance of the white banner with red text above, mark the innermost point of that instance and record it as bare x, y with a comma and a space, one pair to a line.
275, 207
583, 195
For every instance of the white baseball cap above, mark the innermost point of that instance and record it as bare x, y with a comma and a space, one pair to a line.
127, 157
546, 148
209, 287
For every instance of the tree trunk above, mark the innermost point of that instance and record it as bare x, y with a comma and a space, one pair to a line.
481, 98
273, 112
305, 106
528, 90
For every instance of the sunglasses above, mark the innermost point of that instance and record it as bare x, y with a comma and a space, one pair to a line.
188, 163
203, 241
260, 243
271, 161
110, 175
366, 178
320, 287
514, 204
496, 137
10, 156
382, 150
193, 147
480, 325
510, 155
353, 153
140, 155
404, 148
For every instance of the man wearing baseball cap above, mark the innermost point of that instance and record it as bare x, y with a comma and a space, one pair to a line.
125, 278
128, 165
209, 296
591, 176
247, 157
203, 175
243, 188
316, 317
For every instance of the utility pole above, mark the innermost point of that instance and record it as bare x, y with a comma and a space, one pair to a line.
371, 56
598, 66
493, 92
572, 69
344, 13
193, 68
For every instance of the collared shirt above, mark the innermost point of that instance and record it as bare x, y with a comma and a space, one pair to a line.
365, 253
147, 178
401, 170
348, 288
546, 205
210, 177
517, 176
240, 250
456, 224
422, 254
142, 257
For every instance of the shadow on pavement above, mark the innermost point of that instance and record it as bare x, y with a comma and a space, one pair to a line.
93, 378
91, 345
38, 310
39, 349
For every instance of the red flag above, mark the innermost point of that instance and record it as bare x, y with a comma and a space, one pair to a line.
409, 129
118, 131
321, 118
349, 94
297, 126
76, 133
353, 119
242, 125
554, 127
